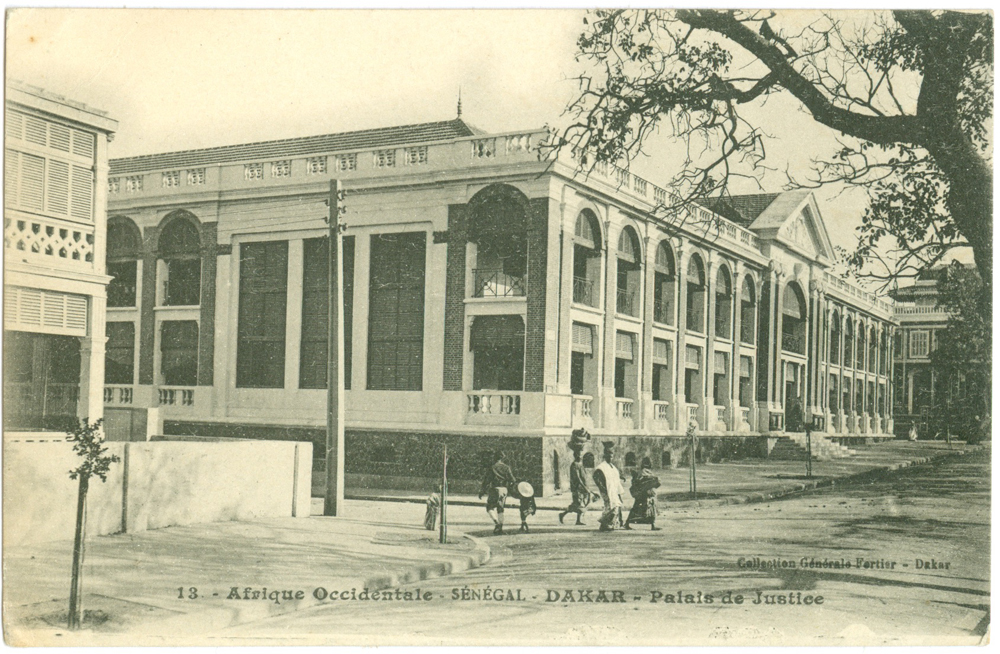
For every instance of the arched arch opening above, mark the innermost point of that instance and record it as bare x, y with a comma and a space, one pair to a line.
122, 261
793, 319
748, 312
664, 279
179, 248
498, 225
835, 338
723, 304
872, 348
695, 308
588, 460
630, 460
849, 343
629, 267
586, 259
859, 361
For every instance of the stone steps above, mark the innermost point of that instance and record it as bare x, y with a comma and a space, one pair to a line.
793, 446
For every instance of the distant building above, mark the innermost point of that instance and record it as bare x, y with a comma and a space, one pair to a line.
55, 216
919, 394
492, 298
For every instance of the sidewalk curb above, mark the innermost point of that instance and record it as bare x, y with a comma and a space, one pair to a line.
756, 498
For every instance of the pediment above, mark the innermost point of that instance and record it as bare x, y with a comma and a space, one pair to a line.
804, 230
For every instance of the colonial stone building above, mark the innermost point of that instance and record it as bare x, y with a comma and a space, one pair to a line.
493, 297
55, 181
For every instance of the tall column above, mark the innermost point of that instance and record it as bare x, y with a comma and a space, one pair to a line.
610, 308
536, 323
735, 412
91, 402
147, 305
767, 343
842, 407
646, 386
454, 298
680, 357
708, 383
777, 390
293, 313
206, 319
565, 339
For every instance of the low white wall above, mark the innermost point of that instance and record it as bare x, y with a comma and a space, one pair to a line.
156, 485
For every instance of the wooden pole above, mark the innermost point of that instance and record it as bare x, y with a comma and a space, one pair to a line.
444, 497
76, 578
335, 370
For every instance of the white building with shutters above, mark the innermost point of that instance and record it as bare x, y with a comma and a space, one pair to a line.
55, 220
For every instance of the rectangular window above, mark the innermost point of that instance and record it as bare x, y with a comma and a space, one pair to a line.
121, 290
183, 284
41, 381
919, 344
313, 362
260, 350
396, 312
119, 353
179, 353
576, 372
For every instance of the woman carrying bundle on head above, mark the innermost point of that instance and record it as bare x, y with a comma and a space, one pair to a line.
643, 489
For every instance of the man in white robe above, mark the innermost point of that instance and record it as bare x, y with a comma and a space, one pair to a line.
609, 482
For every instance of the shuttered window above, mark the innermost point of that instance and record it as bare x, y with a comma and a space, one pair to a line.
313, 361
745, 365
692, 357
661, 352
721, 363
396, 312
624, 343
56, 177
31, 309
583, 338
260, 353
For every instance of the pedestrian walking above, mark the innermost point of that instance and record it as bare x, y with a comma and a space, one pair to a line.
609, 483
433, 509
577, 484
913, 431
643, 489
526, 493
496, 481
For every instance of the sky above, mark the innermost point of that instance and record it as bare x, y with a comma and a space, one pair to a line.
198, 78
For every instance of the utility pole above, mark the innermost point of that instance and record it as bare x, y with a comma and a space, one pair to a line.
334, 501
444, 497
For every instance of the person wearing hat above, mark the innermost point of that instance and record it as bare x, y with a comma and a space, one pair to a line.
497, 480
577, 482
644, 485
526, 493
609, 482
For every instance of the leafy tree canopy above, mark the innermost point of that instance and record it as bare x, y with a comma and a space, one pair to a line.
908, 94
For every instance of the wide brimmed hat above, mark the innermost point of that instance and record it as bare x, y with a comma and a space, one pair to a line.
524, 489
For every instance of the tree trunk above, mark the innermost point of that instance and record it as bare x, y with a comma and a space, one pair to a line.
76, 581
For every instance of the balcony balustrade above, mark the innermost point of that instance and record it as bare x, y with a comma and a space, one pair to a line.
494, 403
626, 304
118, 395
583, 291
176, 396
582, 406
496, 283
624, 408
661, 411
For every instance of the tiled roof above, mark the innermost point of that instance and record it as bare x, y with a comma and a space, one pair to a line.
297, 147
741, 209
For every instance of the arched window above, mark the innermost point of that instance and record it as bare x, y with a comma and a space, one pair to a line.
663, 285
835, 338
588, 460
630, 459
872, 348
723, 304
586, 259
498, 226
695, 295
629, 265
885, 354
793, 319
748, 312
849, 343
122, 261
180, 250
859, 361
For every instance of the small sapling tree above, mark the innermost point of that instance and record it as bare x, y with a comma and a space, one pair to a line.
88, 443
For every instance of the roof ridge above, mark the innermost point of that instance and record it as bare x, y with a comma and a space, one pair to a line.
296, 139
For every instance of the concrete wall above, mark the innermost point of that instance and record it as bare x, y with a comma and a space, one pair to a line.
155, 485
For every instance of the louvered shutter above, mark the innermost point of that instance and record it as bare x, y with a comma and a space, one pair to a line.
583, 338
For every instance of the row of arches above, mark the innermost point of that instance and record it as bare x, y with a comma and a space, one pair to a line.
178, 246
587, 249
863, 347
